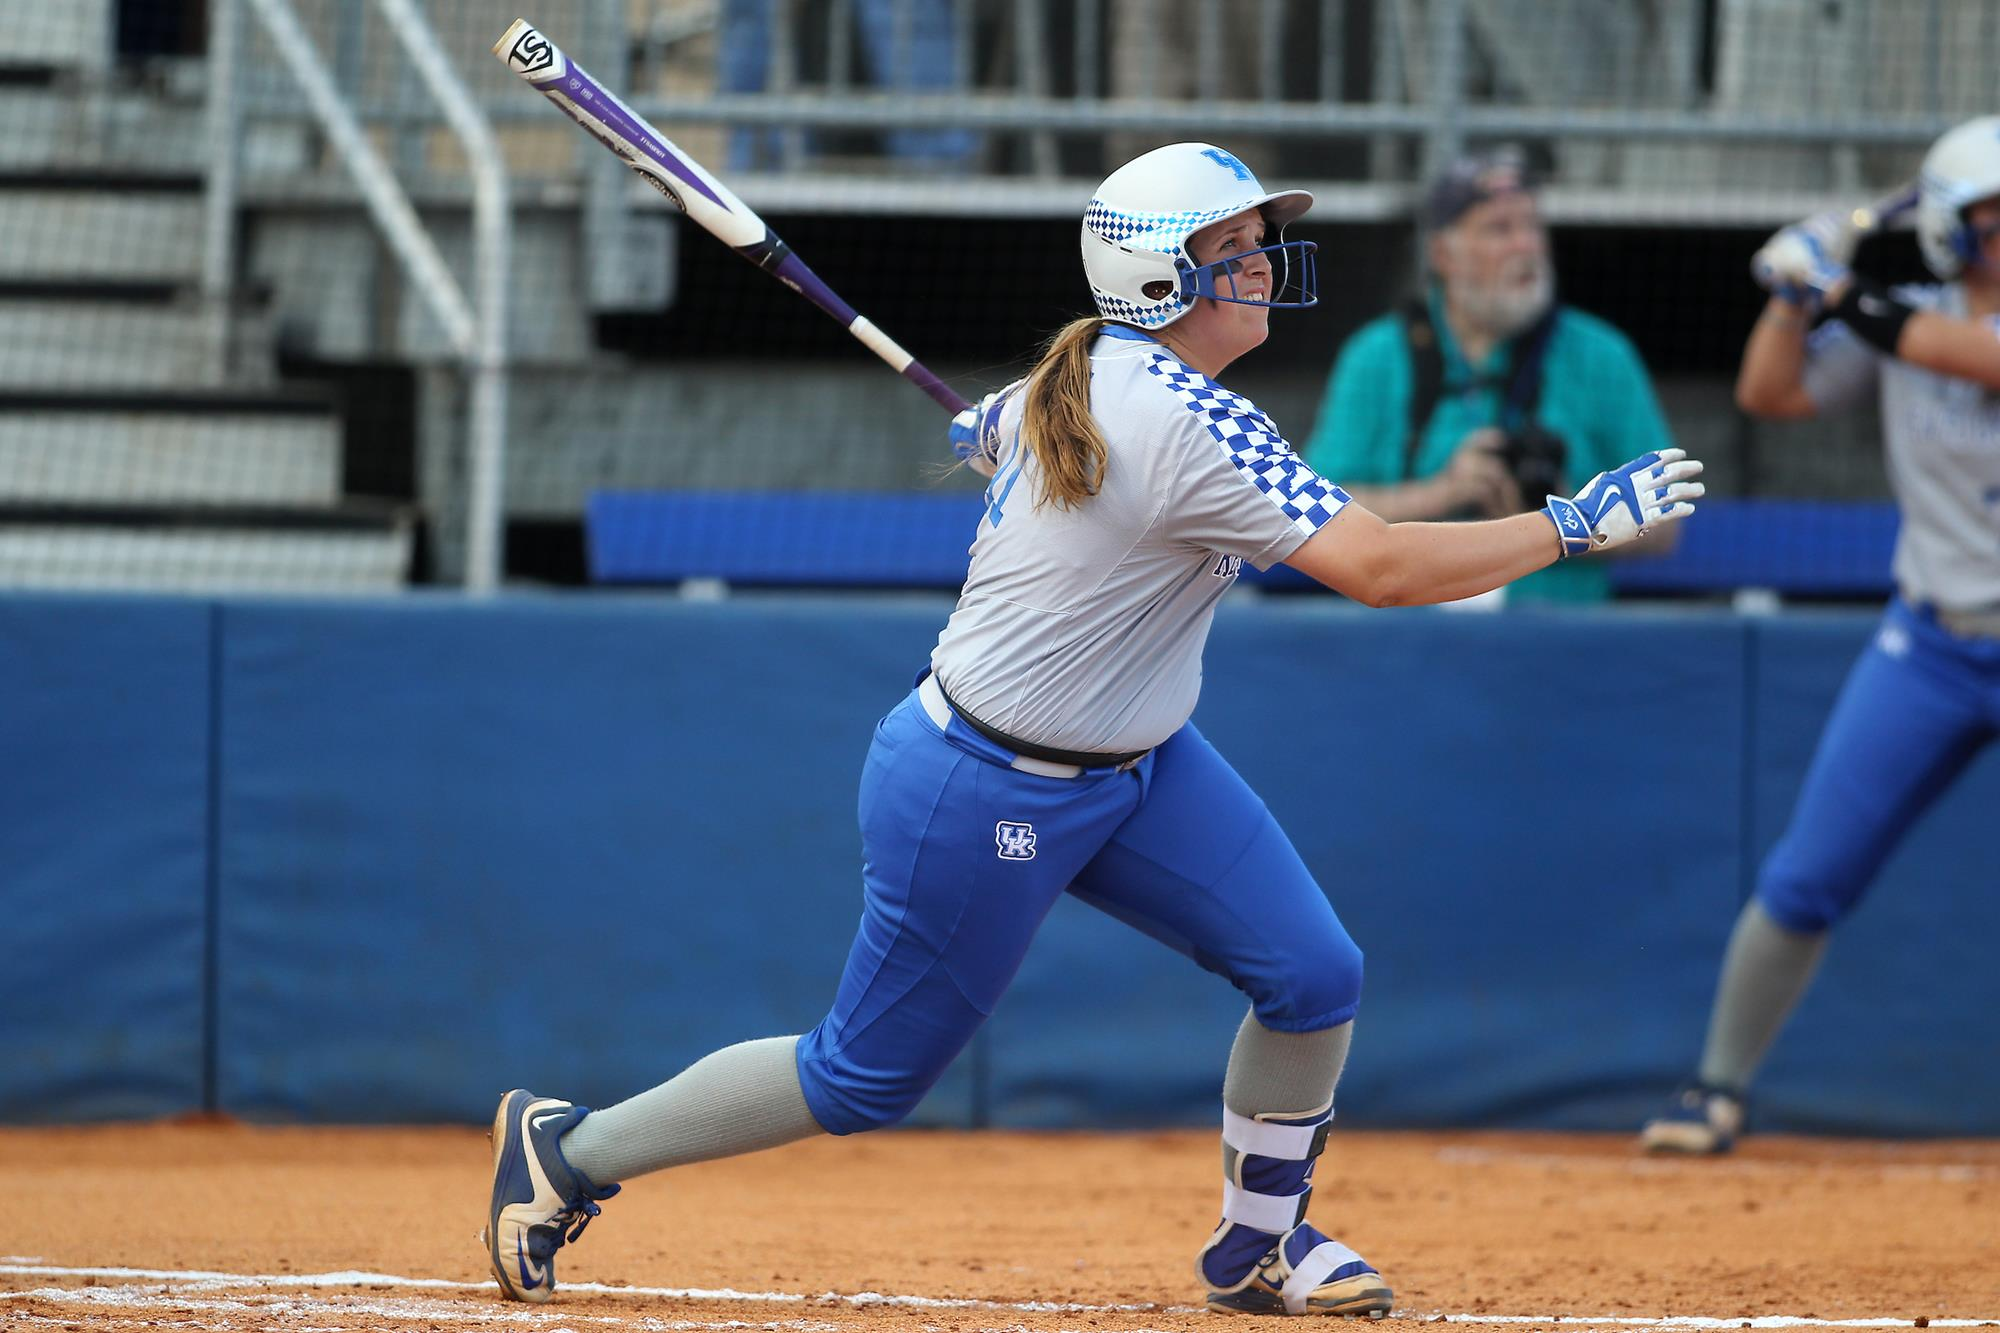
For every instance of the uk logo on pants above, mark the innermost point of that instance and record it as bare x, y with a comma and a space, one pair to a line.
1016, 841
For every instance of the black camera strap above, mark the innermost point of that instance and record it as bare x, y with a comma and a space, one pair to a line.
1522, 378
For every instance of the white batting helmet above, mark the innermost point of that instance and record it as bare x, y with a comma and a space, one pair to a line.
1136, 230
1962, 167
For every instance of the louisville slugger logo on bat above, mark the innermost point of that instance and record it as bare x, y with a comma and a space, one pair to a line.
531, 53
705, 200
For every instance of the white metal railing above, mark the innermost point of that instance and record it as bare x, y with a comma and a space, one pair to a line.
223, 129
478, 336
486, 350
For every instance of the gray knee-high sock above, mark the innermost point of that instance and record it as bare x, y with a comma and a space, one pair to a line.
1764, 971
738, 1099
1281, 1073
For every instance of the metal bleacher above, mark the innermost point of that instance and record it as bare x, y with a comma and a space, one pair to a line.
146, 443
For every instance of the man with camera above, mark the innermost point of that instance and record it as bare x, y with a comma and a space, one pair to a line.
1484, 395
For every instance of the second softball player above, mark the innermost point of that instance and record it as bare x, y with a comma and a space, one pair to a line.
1925, 697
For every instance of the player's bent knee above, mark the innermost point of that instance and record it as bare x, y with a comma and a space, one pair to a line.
1806, 899
1799, 908
843, 1113
1319, 987
849, 1101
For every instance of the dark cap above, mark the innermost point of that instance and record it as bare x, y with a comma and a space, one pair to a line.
1472, 180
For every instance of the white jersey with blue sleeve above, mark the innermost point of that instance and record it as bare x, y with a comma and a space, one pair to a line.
1082, 629
1941, 440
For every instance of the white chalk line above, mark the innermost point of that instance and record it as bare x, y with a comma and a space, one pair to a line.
202, 1280
196, 1289
1701, 1321
1949, 1172
128, 1297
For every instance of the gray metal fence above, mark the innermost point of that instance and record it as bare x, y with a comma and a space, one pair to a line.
1751, 106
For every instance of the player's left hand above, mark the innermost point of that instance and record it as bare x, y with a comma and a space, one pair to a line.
975, 432
1802, 262
1627, 502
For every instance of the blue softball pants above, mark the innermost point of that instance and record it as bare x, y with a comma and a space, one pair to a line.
1917, 706
964, 855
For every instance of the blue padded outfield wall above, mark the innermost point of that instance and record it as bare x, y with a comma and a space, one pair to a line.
376, 862
105, 717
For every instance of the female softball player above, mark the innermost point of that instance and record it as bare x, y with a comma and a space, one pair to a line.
1925, 696
1047, 748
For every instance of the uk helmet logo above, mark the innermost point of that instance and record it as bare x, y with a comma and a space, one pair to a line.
1229, 162
1016, 841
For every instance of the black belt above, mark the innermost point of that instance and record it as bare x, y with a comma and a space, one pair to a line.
1980, 623
1047, 754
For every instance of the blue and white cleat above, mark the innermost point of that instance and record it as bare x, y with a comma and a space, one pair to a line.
1304, 1273
1701, 1121
539, 1200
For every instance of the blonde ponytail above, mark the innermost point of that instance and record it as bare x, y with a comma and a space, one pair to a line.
1056, 421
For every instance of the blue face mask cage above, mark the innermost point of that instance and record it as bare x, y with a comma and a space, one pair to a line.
1217, 281
1971, 241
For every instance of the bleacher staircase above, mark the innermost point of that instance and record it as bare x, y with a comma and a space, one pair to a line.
136, 450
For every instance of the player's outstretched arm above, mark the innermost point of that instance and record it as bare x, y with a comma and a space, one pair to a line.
1416, 564
1375, 563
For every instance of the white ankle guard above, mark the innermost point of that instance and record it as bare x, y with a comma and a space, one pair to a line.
1273, 1213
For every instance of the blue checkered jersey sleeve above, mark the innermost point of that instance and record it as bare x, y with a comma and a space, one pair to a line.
1240, 489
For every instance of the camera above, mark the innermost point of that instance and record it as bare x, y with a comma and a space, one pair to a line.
1535, 455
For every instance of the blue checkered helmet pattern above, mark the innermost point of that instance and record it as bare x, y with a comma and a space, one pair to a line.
1136, 230
1962, 167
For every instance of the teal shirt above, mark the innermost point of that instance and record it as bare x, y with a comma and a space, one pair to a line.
1595, 395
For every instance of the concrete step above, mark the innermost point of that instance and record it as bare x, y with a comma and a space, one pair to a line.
191, 549
169, 447
133, 336
63, 125
99, 226
73, 35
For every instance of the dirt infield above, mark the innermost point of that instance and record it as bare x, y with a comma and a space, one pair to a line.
315, 1230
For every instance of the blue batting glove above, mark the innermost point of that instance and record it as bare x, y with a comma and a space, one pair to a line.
1627, 502
1802, 262
975, 432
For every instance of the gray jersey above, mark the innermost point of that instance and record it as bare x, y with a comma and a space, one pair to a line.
1941, 436
1082, 628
